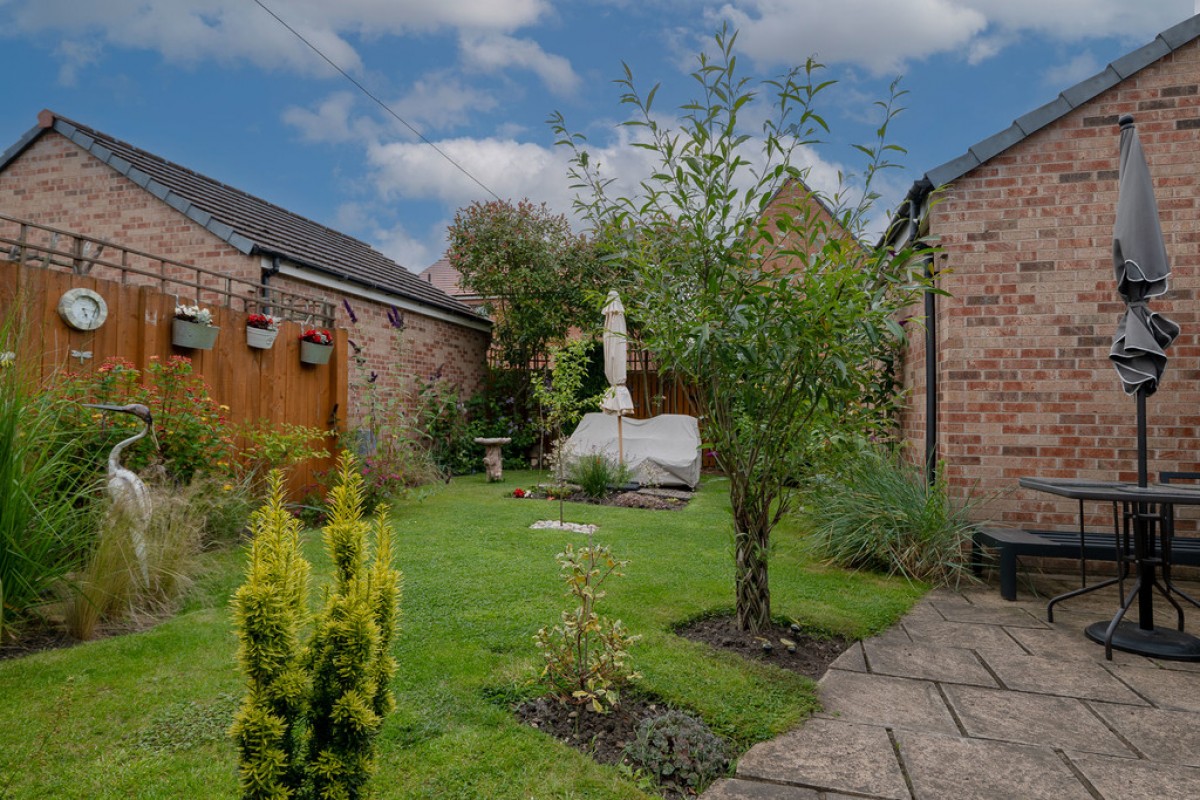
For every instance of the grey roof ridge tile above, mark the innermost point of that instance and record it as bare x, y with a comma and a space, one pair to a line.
1069, 99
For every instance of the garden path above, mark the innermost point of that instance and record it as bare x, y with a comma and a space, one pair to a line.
971, 697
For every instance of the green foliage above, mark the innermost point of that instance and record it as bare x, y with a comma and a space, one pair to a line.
270, 445
190, 429
880, 513
586, 655
597, 474
679, 750
312, 712
46, 519
754, 288
533, 271
270, 611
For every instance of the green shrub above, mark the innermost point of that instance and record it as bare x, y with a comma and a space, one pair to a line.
586, 656
312, 711
190, 429
597, 474
678, 750
880, 513
46, 519
270, 445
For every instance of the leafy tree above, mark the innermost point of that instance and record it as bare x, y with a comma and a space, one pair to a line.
533, 270
755, 289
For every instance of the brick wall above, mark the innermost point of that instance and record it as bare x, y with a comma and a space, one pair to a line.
55, 183
1026, 387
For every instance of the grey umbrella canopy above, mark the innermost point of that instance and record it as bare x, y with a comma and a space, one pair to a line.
1140, 261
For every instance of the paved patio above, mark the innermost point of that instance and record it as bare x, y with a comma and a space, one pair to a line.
971, 697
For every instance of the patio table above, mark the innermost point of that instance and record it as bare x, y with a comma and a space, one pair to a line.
1144, 507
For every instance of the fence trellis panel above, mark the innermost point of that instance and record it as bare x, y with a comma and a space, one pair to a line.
255, 384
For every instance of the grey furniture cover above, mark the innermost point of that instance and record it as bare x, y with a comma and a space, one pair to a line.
663, 450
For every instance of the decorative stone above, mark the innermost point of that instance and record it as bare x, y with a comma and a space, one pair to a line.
493, 461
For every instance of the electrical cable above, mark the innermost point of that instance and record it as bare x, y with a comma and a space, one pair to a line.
378, 102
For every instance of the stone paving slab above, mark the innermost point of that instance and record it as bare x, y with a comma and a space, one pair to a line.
885, 701
927, 662
852, 660
989, 615
734, 789
1035, 719
1120, 779
829, 755
1040, 675
964, 635
947, 768
1160, 735
1172, 689
1069, 644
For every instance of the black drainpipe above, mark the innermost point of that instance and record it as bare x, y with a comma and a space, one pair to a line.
916, 198
931, 377
267, 274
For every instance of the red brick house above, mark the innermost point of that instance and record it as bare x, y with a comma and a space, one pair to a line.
66, 175
1019, 348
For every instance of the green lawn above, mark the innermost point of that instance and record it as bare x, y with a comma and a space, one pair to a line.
144, 715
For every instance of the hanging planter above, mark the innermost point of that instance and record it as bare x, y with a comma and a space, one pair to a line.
313, 353
192, 328
316, 346
261, 330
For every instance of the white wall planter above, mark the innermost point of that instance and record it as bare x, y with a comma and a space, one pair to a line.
313, 353
261, 338
193, 335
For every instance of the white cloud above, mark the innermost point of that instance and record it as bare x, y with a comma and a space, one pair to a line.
235, 31
439, 100
878, 34
883, 35
1084, 65
490, 52
330, 122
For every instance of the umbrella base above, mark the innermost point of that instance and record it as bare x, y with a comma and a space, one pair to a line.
1156, 642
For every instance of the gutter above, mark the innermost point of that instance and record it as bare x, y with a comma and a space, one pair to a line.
366, 291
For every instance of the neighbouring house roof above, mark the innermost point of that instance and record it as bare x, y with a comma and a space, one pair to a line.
1067, 101
444, 276
249, 224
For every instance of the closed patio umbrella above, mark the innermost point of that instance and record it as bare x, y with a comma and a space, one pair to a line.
617, 399
1140, 263
1139, 355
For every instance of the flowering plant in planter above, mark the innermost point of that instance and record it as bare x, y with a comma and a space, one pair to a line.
317, 336
196, 314
264, 322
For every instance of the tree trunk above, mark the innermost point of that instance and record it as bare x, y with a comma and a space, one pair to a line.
750, 575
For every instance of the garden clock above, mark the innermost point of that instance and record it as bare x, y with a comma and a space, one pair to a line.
82, 309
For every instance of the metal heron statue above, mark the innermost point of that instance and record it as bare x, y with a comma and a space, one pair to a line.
128, 493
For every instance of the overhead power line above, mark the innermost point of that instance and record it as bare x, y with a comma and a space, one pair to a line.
378, 102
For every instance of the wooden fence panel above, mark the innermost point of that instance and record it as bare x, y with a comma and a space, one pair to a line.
253, 384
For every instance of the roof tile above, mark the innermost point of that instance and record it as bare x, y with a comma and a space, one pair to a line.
254, 225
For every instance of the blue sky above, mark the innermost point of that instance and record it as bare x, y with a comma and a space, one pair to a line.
222, 88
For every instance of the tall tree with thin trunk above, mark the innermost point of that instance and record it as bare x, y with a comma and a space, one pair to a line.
757, 290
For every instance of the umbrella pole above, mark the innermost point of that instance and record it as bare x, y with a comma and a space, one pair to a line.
620, 443
1141, 437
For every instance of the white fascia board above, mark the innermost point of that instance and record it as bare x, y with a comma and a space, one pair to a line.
354, 290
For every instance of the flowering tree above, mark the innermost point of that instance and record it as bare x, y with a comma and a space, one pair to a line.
534, 272
754, 288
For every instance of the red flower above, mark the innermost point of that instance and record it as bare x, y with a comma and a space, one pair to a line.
518, 492
264, 322
316, 336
